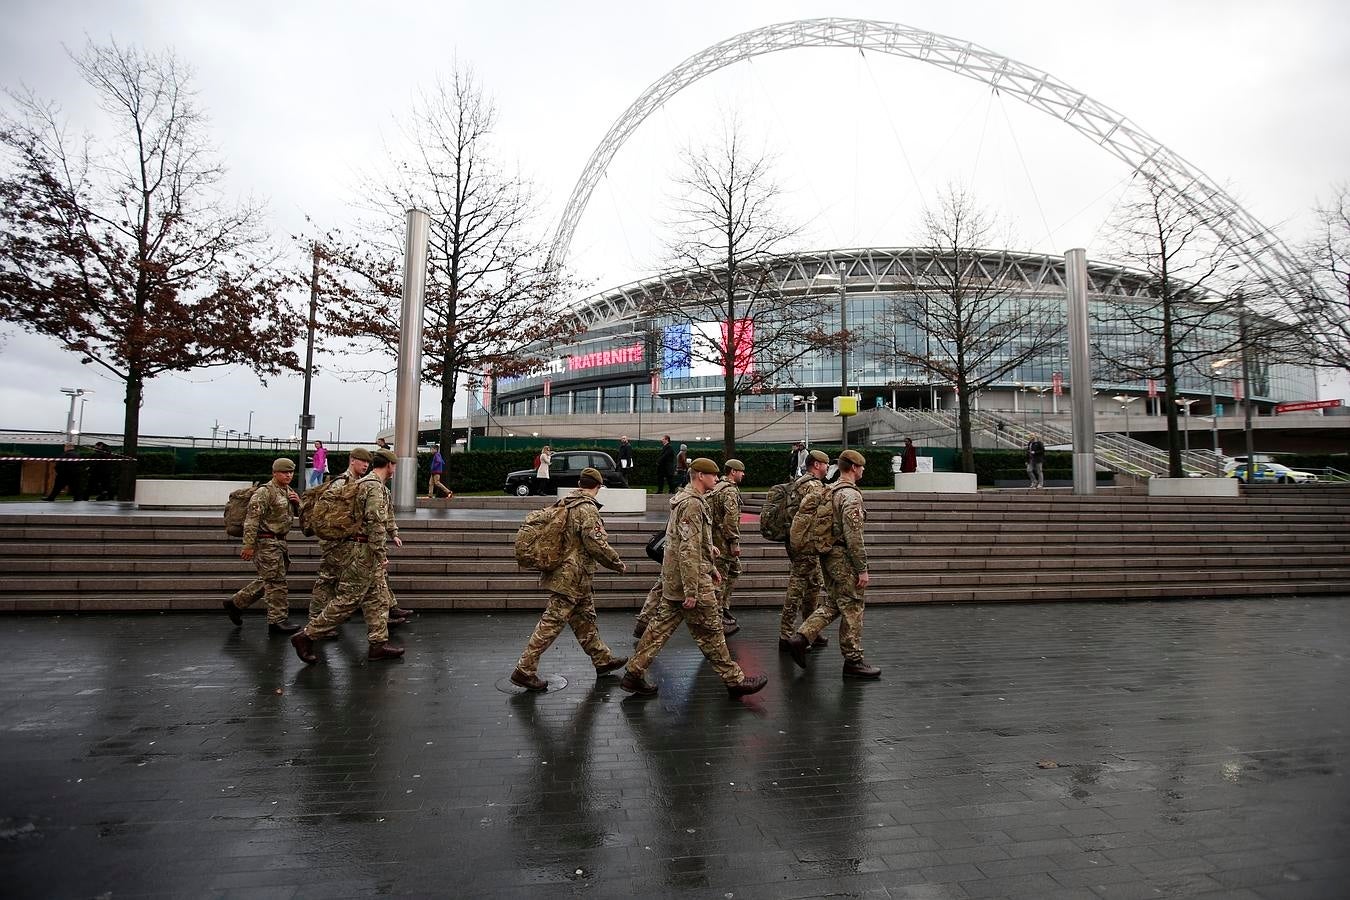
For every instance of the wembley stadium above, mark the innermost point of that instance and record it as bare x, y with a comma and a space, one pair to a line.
628, 364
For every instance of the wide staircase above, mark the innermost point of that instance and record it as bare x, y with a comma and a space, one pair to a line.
994, 546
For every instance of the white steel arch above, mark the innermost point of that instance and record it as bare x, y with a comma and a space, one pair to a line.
1261, 249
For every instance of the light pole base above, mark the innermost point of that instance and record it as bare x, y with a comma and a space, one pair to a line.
1084, 473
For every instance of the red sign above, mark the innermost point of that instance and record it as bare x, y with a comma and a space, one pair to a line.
487, 392
614, 357
1237, 388
1058, 380
656, 384
548, 387
1153, 388
1302, 405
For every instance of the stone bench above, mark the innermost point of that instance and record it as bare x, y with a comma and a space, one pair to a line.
936, 482
616, 500
1193, 487
173, 493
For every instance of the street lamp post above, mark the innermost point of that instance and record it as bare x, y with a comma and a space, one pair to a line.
1186, 411
1214, 369
1125, 402
74, 394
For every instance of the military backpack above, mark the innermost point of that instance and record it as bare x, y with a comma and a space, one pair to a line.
332, 512
774, 516
236, 510
813, 526
542, 540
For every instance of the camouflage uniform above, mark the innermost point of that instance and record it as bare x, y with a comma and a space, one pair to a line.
335, 557
265, 525
804, 575
687, 571
387, 595
724, 507
359, 582
842, 565
569, 586
649, 605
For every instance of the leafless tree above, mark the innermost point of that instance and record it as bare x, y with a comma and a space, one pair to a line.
122, 249
1324, 302
489, 292
1188, 318
727, 275
973, 323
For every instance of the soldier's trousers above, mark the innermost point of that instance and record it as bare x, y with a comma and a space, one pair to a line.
337, 555
803, 592
649, 605
561, 612
271, 562
358, 586
705, 624
843, 600
729, 567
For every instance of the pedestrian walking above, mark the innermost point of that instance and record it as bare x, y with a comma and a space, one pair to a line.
359, 582
682, 467
1036, 462
625, 455
665, 466
334, 556
724, 506
570, 603
846, 576
687, 579
909, 458
271, 510
434, 486
543, 479
318, 472
67, 475
804, 576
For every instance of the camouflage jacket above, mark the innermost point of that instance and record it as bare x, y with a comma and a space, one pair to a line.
802, 488
849, 519
689, 548
372, 514
585, 544
724, 508
269, 509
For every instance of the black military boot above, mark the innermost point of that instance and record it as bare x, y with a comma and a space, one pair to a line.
233, 612
384, 650
528, 682
797, 646
636, 684
749, 685
284, 627
860, 669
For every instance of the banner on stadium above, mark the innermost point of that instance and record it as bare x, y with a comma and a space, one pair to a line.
695, 350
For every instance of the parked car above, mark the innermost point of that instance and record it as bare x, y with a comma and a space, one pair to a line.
565, 470
1267, 473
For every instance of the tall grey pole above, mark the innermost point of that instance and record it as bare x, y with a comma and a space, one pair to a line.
1080, 373
410, 359
843, 354
306, 419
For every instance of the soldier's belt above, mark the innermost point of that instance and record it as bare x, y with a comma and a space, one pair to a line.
359, 539
269, 534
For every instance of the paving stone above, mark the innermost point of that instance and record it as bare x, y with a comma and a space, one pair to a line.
1200, 748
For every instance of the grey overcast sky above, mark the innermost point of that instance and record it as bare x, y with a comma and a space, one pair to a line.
305, 97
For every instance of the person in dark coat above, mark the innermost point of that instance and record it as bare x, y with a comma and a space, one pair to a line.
909, 461
665, 467
68, 475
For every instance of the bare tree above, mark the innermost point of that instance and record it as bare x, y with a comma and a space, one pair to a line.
123, 250
489, 292
1178, 328
725, 296
1324, 303
973, 323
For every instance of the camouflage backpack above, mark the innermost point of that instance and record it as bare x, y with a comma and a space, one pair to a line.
236, 510
774, 516
310, 498
542, 539
813, 525
332, 515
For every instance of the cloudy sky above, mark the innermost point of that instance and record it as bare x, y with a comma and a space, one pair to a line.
305, 100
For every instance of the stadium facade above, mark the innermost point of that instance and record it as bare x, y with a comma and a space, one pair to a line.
627, 362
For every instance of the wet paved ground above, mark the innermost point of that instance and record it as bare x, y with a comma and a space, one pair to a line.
1108, 751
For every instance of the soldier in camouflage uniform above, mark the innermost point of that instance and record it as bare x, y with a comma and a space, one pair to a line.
271, 510
569, 587
359, 583
393, 612
687, 578
724, 506
845, 567
804, 576
336, 555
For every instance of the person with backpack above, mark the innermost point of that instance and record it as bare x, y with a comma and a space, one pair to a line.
360, 580
724, 505
584, 543
434, 485
845, 568
665, 466
687, 579
804, 578
271, 510
334, 554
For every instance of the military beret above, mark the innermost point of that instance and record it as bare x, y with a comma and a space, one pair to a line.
733, 465
386, 455
362, 454
588, 472
284, 464
704, 465
854, 457
817, 456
